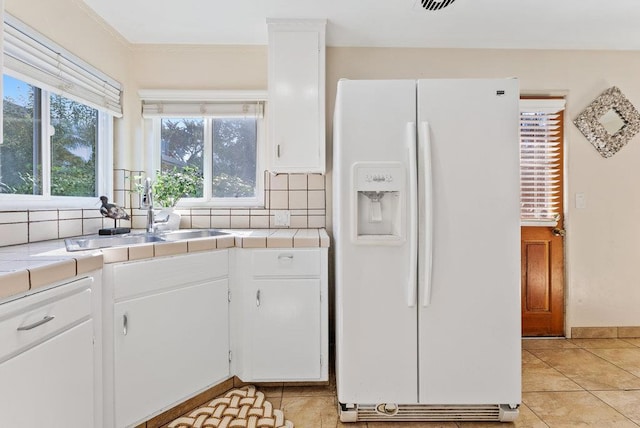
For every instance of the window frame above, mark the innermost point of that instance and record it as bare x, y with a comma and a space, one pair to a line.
104, 160
153, 127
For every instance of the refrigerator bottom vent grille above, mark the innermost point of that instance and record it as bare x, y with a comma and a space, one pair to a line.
431, 413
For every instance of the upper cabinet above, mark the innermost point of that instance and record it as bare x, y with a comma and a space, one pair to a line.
296, 96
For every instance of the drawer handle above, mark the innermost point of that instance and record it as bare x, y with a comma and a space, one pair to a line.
37, 323
125, 324
258, 298
286, 257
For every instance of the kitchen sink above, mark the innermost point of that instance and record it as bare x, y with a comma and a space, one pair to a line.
178, 235
106, 241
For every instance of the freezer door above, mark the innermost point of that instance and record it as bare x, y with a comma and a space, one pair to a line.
376, 319
469, 275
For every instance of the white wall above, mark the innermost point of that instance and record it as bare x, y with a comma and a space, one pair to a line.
603, 240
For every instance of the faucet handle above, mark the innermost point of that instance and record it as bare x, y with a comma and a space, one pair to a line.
147, 197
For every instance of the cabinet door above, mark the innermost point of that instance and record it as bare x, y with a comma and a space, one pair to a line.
169, 346
285, 329
50, 385
296, 97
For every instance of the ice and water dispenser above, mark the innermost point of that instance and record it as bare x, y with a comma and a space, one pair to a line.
379, 192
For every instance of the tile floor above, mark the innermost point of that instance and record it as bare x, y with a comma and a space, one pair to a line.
565, 383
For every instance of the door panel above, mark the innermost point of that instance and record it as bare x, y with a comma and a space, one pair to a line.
542, 282
285, 329
469, 333
376, 326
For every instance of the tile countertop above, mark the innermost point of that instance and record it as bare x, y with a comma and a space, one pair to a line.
27, 267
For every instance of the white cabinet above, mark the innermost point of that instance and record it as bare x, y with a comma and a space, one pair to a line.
282, 319
296, 83
169, 331
48, 361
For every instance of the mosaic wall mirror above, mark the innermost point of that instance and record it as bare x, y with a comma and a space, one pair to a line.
609, 122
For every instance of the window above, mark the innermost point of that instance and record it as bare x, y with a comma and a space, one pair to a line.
541, 158
72, 150
222, 142
57, 123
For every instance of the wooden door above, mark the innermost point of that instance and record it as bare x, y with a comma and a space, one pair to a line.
542, 233
542, 263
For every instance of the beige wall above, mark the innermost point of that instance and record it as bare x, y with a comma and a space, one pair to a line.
193, 67
75, 27
603, 240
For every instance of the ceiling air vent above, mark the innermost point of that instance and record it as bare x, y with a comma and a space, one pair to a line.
436, 4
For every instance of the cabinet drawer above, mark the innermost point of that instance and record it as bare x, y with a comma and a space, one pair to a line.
23, 325
135, 278
286, 262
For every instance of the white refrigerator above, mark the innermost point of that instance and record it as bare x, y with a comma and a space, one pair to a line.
427, 249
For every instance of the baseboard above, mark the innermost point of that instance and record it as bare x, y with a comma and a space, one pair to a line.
605, 332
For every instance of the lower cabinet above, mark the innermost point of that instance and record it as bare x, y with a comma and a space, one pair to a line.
169, 331
175, 326
48, 372
281, 320
169, 345
283, 333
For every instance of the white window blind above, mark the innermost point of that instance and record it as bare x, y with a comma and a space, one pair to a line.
540, 161
169, 103
35, 59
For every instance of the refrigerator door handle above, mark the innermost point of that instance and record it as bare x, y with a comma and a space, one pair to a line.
412, 288
426, 244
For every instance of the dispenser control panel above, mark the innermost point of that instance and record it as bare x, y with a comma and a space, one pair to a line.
379, 176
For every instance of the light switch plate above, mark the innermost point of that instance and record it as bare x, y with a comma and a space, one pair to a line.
581, 201
282, 218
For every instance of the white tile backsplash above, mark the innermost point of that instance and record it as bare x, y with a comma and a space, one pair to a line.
43, 215
14, 233
67, 228
279, 182
43, 230
298, 182
302, 194
239, 222
14, 217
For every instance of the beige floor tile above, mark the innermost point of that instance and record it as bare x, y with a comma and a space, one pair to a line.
587, 370
625, 402
573, 409
539, 376
625, 358
310, 391
273, 394
316, 412
633, 341
351, 425
601, 343
547, 344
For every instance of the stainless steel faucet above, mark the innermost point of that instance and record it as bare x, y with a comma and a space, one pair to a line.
147, 202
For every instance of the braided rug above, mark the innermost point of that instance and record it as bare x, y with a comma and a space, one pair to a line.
239, 408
